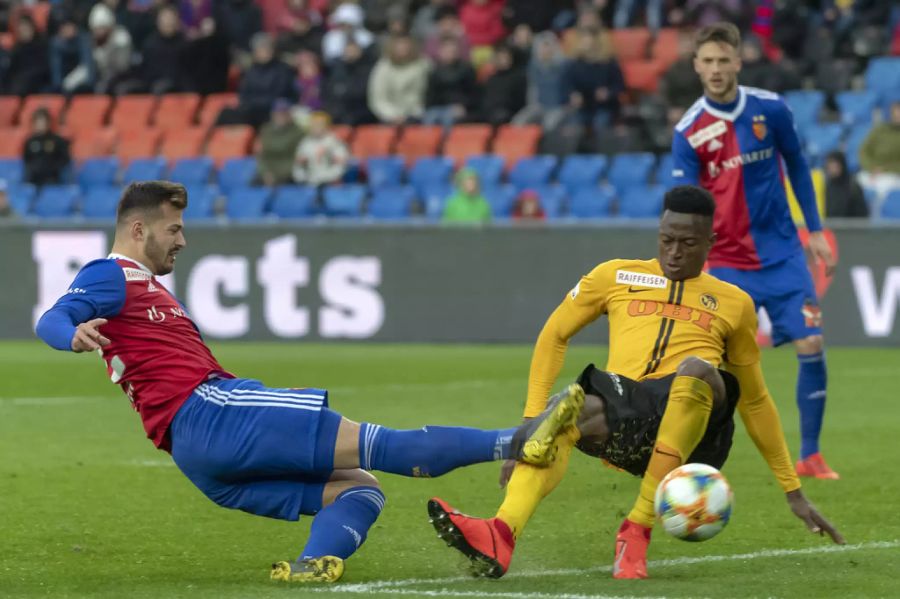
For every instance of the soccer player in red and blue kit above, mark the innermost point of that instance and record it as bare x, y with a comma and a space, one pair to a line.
267, 451
732, 142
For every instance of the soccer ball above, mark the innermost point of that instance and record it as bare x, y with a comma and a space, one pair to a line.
693, 502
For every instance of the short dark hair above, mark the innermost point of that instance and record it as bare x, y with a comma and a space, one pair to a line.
149, 196
689, 199
725, 33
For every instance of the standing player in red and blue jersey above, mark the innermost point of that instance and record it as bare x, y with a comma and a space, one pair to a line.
732, 142
271, 452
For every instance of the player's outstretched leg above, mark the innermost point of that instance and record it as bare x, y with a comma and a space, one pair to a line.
812, 379
488, 543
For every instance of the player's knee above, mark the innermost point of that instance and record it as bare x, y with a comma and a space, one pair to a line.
813, 344
701, 369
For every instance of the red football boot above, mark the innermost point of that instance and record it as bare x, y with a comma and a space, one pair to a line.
815, 466
488, 543
632, 541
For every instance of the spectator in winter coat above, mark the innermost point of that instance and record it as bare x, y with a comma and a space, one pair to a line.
879, 155
347, 85
467, 205
164, 54
29, 60
45, 154
239, 20
277, 145
398, 82
505, 90
208, 59
321, 157
483, 21
447, 25
593, 81
111, 48
452, 91
346, 26
546, 100
71, 61
843, 196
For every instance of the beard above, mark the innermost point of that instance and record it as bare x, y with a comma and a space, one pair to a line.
156, 255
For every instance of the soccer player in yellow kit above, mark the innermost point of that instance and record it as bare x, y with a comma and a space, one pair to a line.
683, 356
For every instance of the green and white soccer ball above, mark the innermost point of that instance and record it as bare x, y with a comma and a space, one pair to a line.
693, 502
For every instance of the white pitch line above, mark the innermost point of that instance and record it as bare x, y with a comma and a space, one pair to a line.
395, 586
502, 595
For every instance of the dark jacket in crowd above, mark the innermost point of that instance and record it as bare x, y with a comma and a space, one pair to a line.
290, 42
586, 78
207, 63
239, 20
29, 67
45, 157
504, 95
164, 63
843, 196
262, 84
346, 91
681, 86
452, 84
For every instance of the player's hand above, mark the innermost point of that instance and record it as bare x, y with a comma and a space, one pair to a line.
815, 522
819, 247
87, 336
506, 471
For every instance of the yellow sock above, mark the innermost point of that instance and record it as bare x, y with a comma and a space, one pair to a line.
683, 426
530, 484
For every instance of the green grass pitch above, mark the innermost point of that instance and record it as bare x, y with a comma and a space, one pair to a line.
88, 508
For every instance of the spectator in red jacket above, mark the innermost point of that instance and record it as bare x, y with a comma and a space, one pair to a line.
483, 21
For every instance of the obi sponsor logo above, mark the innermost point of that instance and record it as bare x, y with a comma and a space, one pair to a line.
699, 318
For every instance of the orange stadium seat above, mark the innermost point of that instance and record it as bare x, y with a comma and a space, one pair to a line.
9, 107
7, 41
419, 141
183, 143
213, 105
630, 44
373, 140
137, 143
343, 132
12, 141
93, 143
516, 142
233, 141
177, 111
641, 75
665, 47
133, 112
52, 102
87, 112
467, 140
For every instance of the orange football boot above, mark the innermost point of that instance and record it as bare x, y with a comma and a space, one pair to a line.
815, 466
488, 543
632, 541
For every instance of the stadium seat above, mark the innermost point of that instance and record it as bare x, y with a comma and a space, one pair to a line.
663, 174
237, 173
294, 201
665, 47
821, 139
137, 143
52, 102
642, 75
143, 169
93, 143
419, 141
392, 202
642, 202
806, 106
488, 167
532, 172
434, 198
343, 133
12, 142
344, 200
213, 105
430, 170
502, 198
373, 140
854, 141
201, 201
21, 197
890, 208
177, 111
12, 170
883, 75
467, 140
183, 143
247, 203
591, 202
232, 141
856, 106
97, 171
56, 201
630, 170
9, 108
581, 170
552, 198
133, 112
516, 142
100, 201
191, 171
630, 43
384, 170
86, 113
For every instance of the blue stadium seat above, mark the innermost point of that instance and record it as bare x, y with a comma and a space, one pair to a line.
294, 201
806, 106
344, 200
100, 201
144, 169
247, 203
98, 172
56, 201
488, 166
434, 197
821, 139
201, 201
630, 170
891, 206
21, 197
12, 170
191, 171
385, 170
533, 171
854, 141
663, 174
552, 199
502, 198
642, 202
883, 75
582, 171
427, 171
591, 202
394, 202
236, 173
856, 107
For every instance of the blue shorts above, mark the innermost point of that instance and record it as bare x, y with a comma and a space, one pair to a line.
257, 449
787, 292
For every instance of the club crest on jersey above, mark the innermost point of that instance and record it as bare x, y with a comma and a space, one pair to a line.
759, 127
709, 301
812, 314
641, 279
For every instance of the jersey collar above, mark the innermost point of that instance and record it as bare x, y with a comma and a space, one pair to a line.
114, 256
727, 112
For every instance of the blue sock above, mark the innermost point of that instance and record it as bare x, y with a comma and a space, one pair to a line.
430, 450
812, 379
341, 528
